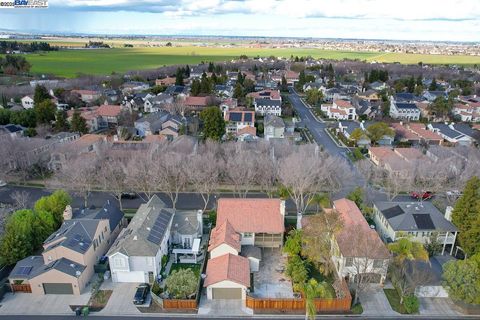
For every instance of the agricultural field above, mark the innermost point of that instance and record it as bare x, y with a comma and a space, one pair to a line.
71, 62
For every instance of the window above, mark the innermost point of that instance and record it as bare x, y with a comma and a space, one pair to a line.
377, 263
247, 234
348, 262
118, 262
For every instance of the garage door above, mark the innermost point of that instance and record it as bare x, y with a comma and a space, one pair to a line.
371, 277
136, 276
58, 288
227, 293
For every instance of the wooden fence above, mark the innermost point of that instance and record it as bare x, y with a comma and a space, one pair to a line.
180, 304
21, 288
294, 304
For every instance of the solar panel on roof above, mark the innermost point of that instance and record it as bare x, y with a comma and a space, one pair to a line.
393, 212
23, 271
423, 221
154, 239
247, 117
77, 237
235, 116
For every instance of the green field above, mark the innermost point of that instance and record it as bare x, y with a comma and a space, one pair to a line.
70, 63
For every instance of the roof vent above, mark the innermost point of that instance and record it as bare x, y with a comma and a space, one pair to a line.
72, 265
417, 208
148, 228
135, 238
81, 244
78, 273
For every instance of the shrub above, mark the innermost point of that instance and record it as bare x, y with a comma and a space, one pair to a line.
297, 270
411, 304
181, 283
156, 289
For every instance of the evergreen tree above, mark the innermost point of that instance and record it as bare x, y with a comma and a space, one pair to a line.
466, 216
187, 71
61, 123
284, 84
433, 86
213, 123
196, 88
238, 91
240, 78
45, 111
179, 77
211, 67
78, 123
41, 94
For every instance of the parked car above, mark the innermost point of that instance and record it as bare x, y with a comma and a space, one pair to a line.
141, 293
421, 195
2, 183
129, 195
454, 193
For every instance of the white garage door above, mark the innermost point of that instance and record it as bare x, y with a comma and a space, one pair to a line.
134, 276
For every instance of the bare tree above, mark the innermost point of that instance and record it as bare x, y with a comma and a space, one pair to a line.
79, 175
143, 175
20, 199
266, 173
172, 175
113, 178
317, 238
240, 171
411, 276
203, 174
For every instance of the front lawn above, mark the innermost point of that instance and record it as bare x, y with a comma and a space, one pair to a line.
195, 267
394, 300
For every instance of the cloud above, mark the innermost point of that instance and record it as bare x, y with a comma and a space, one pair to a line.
354, 9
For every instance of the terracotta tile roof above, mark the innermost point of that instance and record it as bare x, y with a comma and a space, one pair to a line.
420, 130
265, 94
403, 132
339, 111
109, 110
224, 233
86, 92
409, 154
87, 140
252, 215
353, 220
343, 103
247, 130
196, 101
154, 138
228, 267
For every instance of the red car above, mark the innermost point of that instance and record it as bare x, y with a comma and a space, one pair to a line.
419, 195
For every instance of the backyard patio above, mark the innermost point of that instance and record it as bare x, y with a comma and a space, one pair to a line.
271, 281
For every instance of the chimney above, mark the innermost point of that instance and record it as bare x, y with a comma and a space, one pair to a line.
67, 213
448, 213
200, 221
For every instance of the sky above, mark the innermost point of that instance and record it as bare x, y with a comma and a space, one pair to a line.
435, 20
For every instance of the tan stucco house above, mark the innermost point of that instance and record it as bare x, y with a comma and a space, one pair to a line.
69, 254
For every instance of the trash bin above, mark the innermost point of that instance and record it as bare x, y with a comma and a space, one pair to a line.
85, 311
78, 311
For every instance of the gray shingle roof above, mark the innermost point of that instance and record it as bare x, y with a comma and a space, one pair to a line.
447, 131
136, 239
63, 265
271, 120
77, 235
268, 102
414, 216
185, 222
109, 211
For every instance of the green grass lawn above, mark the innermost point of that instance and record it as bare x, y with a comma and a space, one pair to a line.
195, 267
394, 300
70, 63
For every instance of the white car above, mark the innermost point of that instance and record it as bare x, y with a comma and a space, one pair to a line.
454, 193
2, 183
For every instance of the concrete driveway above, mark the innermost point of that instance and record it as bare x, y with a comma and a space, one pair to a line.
220, 307
437, 307
120, 302
49, 304
375, 302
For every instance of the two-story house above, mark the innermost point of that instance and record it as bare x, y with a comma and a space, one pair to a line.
237, 120
137, 254
268, 106
404, 110
244, 227
356, 248
274, 127
340, 110
70, 253
418, 220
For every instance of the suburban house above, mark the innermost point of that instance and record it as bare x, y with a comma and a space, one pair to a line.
468, 112
448, 132
340, 110
86, 144
137, 254
351, 258
134, 86
171, 127
70, 253
378, 85
244, 227
12, 130
186, 236
264, 106
415, 133
347, 127
418, 220
196, 104
398, 160
369, 95
150, 123
88, 96
27, 102
430, 96
157, 103
404, 110
168, 81
274, 127
237, 120
108, 115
